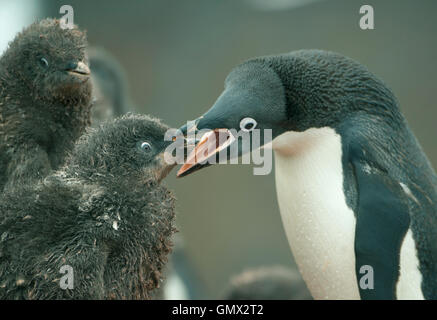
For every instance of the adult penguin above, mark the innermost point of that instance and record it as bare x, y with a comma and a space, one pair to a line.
356, 192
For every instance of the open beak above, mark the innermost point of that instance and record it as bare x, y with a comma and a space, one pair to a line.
208, 147
78, 68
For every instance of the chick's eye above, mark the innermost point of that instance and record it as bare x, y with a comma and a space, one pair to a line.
145, 146
44, 62
248, 124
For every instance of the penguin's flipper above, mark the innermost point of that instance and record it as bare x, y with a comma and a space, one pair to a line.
382, 221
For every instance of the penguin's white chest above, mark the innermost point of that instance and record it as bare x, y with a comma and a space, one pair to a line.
320, 227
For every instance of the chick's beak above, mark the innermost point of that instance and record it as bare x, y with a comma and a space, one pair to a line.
162, 168
78, 68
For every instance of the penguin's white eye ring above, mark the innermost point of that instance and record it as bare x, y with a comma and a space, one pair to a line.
44, 62
248, 124
145, 146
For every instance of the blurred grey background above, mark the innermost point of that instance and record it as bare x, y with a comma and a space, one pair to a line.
177, 53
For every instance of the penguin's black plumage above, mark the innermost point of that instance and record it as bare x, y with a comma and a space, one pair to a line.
104, 213
354, 187
45, 100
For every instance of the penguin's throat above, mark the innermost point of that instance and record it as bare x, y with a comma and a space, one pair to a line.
294, 143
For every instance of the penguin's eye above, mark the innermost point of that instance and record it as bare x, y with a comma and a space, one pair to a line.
145, 146
44, 62
247, 124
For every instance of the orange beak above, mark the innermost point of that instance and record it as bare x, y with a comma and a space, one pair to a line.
206, 149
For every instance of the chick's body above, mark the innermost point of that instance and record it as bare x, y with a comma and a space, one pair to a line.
45, 100
105, 214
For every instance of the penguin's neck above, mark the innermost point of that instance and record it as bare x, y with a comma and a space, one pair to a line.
320, 227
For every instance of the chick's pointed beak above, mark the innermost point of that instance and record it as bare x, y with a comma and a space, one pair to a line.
162, 168
78, 68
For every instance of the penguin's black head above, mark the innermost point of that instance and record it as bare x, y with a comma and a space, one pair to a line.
253, 99
130, 146
290, 92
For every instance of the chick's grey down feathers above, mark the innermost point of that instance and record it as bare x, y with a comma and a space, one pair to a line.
44, 103
104, 213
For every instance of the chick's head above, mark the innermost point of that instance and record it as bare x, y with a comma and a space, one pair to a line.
132, 145
50, 61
